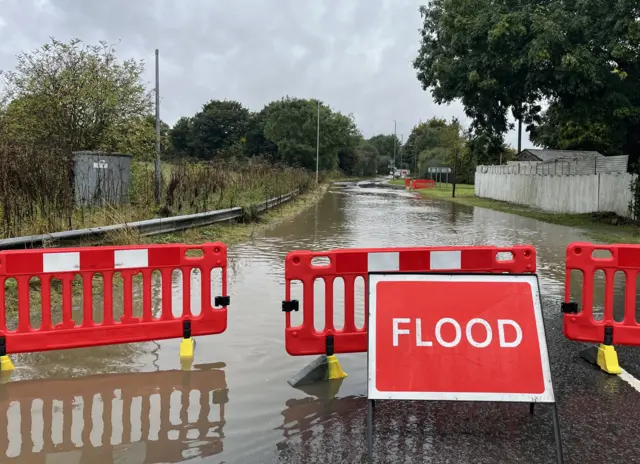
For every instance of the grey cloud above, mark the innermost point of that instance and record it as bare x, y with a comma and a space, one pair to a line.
356, 56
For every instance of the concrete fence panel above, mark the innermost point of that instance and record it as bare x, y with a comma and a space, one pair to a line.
559, 194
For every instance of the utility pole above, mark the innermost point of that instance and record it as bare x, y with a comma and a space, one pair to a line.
158, 144
455, 172
401, 152
318, 145
395, 140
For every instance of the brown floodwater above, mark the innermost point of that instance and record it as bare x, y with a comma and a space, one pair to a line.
133, 404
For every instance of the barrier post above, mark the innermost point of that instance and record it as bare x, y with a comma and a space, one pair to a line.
578, 319
187, 347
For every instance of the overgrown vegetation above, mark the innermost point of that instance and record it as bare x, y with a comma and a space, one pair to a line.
39, 198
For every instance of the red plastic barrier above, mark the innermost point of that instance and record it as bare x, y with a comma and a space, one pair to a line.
579, 322
423, 183
407, 181
353, 263
65, 264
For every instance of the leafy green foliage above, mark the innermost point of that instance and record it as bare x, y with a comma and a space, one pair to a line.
582, 57
384, 144
475, 50
291, 124
590, 73
283, 131
76, 96
367, 158
220, 125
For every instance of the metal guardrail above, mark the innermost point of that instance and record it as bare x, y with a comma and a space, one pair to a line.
148, 226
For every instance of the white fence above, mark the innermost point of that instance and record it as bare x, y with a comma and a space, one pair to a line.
599, 165
560, 194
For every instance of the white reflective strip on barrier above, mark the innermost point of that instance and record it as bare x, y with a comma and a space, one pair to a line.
131, 258
61, 262
384, 261
440, 260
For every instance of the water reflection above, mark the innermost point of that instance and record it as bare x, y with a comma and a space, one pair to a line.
153, 417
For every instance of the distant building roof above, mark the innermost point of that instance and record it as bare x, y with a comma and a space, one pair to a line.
547, 156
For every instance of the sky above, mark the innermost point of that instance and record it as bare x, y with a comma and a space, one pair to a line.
355, 56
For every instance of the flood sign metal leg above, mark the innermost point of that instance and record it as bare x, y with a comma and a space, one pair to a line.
370, 430
556, 432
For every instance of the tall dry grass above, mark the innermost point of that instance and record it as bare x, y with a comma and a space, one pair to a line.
37, 193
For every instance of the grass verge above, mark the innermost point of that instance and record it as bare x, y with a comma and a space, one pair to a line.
593, 225
232, 233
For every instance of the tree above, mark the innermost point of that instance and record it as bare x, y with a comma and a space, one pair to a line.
291, 124
221, 124
137, 137
424, 136
476, 51
435, 142
74, 96
587, 58
256, 143
366, 159
581, 56
384, 144
181, 136
347, 161
575, 129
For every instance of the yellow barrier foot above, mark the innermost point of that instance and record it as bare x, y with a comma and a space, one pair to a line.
187, 351
6, 369
6, 364
335, 369
322, 368
603, 356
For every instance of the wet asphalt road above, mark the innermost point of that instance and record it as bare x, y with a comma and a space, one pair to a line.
599, 420
129, 404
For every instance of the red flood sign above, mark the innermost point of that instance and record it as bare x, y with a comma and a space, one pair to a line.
457, 337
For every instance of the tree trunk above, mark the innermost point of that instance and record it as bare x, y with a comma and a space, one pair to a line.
519, 135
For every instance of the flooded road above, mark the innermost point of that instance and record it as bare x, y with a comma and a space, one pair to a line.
132, 404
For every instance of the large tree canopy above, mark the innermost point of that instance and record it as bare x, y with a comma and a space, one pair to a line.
291, 125
587, 63
76, 96
218, 126
582, 57
476, 51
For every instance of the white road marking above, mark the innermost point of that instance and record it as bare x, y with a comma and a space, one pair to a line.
631, 380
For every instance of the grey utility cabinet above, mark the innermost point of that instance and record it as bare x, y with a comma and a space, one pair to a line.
101, 178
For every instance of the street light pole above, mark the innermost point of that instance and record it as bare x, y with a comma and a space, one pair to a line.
401, 152
158, 145
318, 145
395, 139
